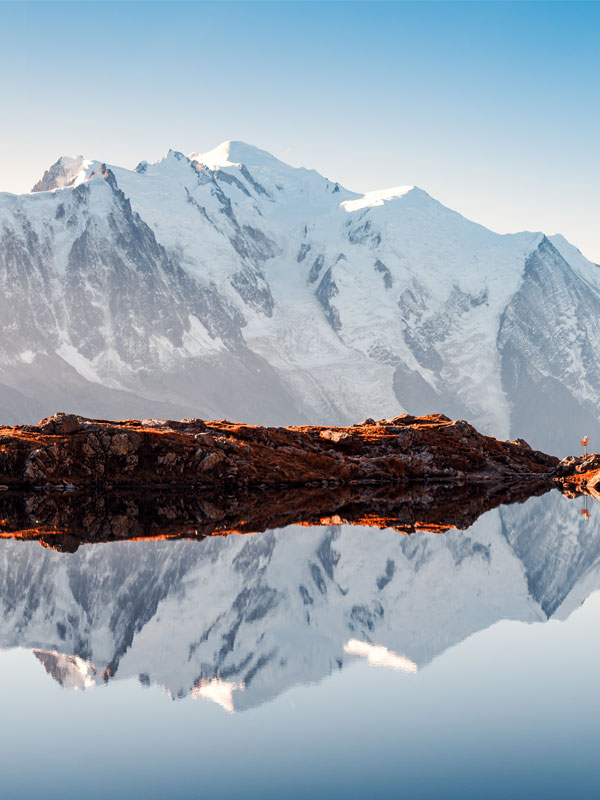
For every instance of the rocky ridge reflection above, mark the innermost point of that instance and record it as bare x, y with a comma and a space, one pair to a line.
239, 619
64, 520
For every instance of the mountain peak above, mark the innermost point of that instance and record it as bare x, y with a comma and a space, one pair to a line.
66, 171
234, 153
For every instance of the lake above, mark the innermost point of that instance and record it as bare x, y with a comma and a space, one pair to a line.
337, 661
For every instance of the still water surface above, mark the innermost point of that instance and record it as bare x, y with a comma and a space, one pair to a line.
308, 662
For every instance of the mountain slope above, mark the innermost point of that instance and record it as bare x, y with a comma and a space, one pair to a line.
229, 283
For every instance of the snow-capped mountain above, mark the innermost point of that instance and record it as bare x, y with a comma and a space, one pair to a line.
231, 284
242, 618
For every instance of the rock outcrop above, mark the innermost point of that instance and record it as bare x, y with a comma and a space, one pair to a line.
580, 475
67, 452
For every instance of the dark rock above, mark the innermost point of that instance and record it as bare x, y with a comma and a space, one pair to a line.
61, 423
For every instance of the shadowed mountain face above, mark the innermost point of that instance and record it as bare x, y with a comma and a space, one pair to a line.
238, 619
554, 312
188, 287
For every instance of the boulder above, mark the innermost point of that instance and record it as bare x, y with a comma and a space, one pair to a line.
336, 436
61, 423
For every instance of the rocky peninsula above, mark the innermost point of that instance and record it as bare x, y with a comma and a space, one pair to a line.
67, 451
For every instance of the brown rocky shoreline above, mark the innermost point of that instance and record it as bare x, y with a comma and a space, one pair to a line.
70, 451
72, 480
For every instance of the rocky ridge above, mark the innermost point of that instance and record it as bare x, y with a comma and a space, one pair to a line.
66, 452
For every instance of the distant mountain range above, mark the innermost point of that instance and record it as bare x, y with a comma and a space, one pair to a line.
230, 284
240, 619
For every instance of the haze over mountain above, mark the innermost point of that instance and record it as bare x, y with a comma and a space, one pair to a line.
231, 284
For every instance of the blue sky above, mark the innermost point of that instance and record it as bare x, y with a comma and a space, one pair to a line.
493, 108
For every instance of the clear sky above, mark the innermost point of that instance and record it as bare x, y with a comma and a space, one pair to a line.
493, 108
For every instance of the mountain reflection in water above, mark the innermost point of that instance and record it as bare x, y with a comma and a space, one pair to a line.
240, 619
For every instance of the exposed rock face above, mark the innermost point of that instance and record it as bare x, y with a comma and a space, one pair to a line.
71, 451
